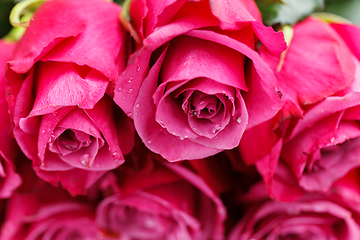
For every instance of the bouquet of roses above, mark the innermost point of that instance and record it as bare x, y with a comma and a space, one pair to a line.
179, 119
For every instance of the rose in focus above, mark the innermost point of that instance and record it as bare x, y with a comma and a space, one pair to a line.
61, 79
315, 132
195, 81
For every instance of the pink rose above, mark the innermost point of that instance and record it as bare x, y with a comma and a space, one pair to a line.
61, 77
195, 82
158, 200
9, 179
315, 133
333, 215
48, 213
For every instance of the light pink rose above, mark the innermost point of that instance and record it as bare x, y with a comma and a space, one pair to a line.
61, 79
157, 200
9, 179
195, 81
314, 216
315, 133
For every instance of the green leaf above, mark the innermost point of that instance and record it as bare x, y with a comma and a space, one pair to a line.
287, 11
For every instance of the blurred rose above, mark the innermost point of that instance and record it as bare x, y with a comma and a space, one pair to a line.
313, 216
319, 79
158, 200
9, 179
48, 213
195, 82
60, 73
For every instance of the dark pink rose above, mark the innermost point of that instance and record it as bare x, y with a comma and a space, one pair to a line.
158, 200
315, 133
9, 179
61, 79
48, 213
195, 82
313, 216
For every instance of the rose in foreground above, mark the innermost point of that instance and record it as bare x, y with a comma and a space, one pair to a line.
158, 200
9, 179
316, 129
196, 82
61, 79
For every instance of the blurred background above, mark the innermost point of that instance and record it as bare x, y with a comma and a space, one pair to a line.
348, 9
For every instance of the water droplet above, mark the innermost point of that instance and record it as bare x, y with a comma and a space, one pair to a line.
149, 141
130, 80
114, 154
238, 120
43, 131
119, 88
162, 124
194, 113
137, 105
71, 146
85, 160
130, 90
129, 114
138, 68
54, 113
216, 129
181, 138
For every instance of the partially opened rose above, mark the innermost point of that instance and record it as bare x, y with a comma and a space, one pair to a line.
158, 200
318, 76
196, 82
61, 79
9, 179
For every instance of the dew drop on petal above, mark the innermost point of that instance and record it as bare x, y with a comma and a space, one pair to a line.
149, 141
119, 88
239, 120
85, 160
138, 68
130, 80
162, 124
137, 105
43, 131
130, 90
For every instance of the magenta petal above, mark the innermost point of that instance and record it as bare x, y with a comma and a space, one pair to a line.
48, 125
103, 116
77, 119
263, 80
61, 85
100, 53
9, 179
189, 58
349, 32
154, 136
75, 181
65, 16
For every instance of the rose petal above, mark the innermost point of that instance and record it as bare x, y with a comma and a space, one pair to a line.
61, 85
40, 35
101, 53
